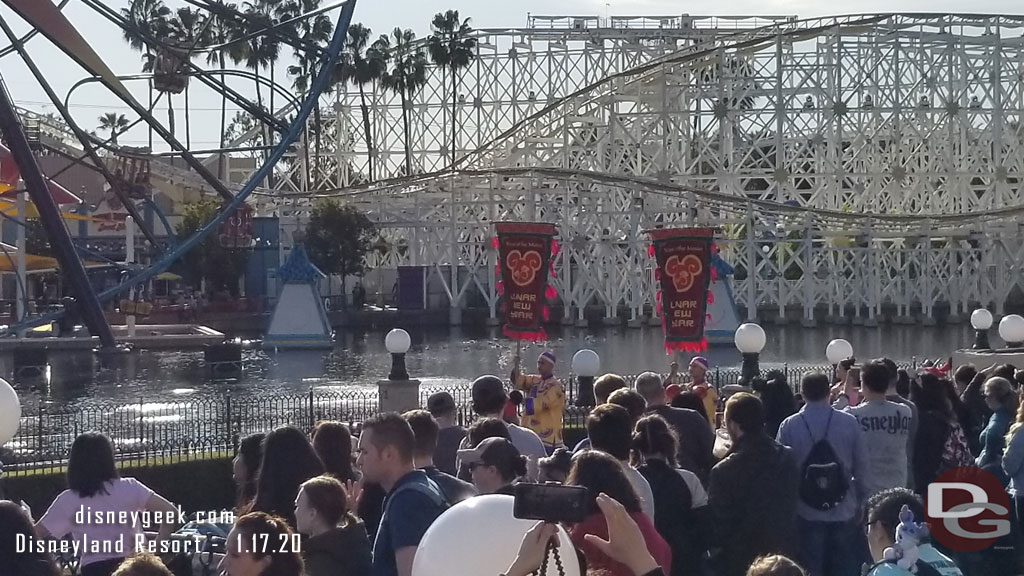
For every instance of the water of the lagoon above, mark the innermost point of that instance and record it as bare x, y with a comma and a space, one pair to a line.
438, 357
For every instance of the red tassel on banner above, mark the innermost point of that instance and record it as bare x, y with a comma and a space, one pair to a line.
554, 247
550, 293
687, 347
500, 288
551, 270
494, 243
711, 297
538, 336
714, 274
657, 274
545, 313
650, 251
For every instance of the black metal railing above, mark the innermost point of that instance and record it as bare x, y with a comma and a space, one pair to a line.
210, 426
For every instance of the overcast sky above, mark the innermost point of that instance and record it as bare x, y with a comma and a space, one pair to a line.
88, 103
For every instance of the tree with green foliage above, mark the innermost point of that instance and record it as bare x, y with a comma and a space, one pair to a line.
338, 236
219, 266
407, 75
453, 49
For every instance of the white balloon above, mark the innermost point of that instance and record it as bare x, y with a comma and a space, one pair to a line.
10, 412
480, 536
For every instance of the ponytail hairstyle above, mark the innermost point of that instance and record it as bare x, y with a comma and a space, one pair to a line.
653, 437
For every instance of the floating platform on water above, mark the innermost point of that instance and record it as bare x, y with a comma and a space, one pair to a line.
147, 336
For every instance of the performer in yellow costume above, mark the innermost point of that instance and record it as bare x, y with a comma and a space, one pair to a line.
544, 402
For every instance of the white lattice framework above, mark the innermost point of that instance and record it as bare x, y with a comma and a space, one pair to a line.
850, 163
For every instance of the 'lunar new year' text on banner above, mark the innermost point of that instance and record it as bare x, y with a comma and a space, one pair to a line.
684, 271
525, 250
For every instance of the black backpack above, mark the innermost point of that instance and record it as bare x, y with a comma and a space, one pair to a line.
823, 481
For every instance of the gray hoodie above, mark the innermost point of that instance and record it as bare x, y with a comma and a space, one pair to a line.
886, 429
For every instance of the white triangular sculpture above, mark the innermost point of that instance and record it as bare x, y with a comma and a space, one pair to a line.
721, 327
299, 320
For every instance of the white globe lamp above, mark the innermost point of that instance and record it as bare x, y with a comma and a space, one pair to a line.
838, 350
585, 364
1011, 330
750, 340
10, 412
397, 343
981, 321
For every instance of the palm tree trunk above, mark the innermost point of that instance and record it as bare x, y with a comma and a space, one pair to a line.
170, 113
408, 148
366, 130
454, 111
188, 123
262, 125
223, 120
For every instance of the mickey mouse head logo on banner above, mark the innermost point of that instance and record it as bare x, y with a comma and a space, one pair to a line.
524, 267
683, 271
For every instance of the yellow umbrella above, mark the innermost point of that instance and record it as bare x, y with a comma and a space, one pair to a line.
167, 276
11, 209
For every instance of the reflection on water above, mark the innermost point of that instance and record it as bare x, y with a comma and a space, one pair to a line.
438, 358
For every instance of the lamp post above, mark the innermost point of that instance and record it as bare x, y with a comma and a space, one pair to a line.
1011, 330
837, 351
750, 340
585, 365
981, 321
397, 343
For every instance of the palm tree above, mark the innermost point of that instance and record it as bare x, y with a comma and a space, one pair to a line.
407, 75
113, 123
315, 31
451, 48
220, 32
362, 65
187, 30
259, 52
148, 19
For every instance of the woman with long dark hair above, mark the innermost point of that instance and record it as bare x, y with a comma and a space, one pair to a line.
288, 461
940, 443
15, 525
332, 442
245, 468
682, 514
602, 474
95, 485
261, 545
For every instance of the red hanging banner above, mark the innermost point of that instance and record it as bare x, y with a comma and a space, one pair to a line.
684, 271
524, 259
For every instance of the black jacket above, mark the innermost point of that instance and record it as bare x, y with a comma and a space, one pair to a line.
695, 439
678, 523
343, 551
753, 495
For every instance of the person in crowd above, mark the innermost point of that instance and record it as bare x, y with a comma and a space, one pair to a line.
848, 392
840, 384
960, 411
903, 383
442, 407
968, 382
337, 544
885, 427
752, 491
611, 431
555, 468
691, 401
775, 565
629, 399
700, 386
682, 514
142, 565
288, 461
488, 395
941, 443
600, 473
544, 400
605, 385
830, 540
893, 395
883, 515
511, 412
426, 431
1013, 466
245, 468
495, 464
1003, 402
14, 525
479, 431
332, 442
246, 552
778, 400
414, 501
691, 429
674, 377
369, 498
93, 482
625, 543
